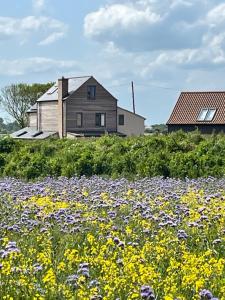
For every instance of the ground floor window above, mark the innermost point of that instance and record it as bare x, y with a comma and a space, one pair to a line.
121, 120
100, 119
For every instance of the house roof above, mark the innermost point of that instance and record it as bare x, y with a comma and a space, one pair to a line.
190, 104
74, 83
131, 112
29, 133
33, 108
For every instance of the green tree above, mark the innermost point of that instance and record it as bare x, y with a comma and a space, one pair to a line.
8, 127
16, 99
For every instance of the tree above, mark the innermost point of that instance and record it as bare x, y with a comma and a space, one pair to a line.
157, 128
16, 99
9, 127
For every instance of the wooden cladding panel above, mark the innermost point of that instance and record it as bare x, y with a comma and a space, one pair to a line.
32, 119
89, 122
49, 116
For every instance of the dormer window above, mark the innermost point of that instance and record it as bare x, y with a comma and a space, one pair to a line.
206, 114
91, 92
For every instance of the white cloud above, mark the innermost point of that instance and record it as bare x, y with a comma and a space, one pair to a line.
126, 16
52, 38
33, 65
217, 14
162, 36
46, 29
149, 25
38, 4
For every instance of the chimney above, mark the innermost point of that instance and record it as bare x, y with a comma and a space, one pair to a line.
62, 92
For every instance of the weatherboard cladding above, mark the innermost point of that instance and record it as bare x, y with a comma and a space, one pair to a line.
190, 104
48, 118
104, 103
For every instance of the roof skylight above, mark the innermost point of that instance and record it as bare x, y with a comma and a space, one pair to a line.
206, 114
52, 90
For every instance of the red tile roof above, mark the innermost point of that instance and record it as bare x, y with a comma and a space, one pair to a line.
190, 104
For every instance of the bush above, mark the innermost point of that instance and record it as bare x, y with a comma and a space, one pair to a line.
177, 155
6, 144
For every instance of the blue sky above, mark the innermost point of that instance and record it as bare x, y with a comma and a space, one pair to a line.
163, 46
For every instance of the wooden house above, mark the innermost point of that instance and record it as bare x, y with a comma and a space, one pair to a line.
79, 107
204, 111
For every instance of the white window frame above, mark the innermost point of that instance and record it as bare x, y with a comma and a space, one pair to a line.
206, 114
102, 119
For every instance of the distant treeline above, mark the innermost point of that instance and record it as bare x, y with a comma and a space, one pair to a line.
177, 155
8, 127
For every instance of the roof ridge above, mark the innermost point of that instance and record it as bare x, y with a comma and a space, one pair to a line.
202, 92
79, 77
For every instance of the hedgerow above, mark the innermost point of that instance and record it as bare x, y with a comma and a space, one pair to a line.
177, 155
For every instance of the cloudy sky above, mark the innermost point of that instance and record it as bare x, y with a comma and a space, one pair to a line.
163, 46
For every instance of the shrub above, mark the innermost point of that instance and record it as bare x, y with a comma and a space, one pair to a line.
177, 155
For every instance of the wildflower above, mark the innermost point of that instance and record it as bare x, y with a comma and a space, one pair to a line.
147, 293
182, 234
205, 294
116, 240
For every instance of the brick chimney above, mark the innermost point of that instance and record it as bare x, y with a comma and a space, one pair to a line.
62, 92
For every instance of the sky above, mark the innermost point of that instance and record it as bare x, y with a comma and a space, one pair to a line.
165, 47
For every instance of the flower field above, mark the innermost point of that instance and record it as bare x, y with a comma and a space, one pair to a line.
112, 239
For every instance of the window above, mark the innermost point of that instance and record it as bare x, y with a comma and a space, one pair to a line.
91, 92
100, 120
79, 119
52, 90
206, 114
22, 133
121, 120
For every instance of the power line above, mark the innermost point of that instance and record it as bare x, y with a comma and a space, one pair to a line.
118, 85
158, 86
146, 85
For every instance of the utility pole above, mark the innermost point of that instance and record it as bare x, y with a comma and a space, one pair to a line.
132, 86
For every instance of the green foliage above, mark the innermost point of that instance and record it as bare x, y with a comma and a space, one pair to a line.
157, 128
6, 144
6, 128
176, 155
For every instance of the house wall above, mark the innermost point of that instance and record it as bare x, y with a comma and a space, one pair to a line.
133, 124
48, 116
204, 128
32, 119
104, 103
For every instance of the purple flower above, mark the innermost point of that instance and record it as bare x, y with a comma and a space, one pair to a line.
116, 240
147, 293
182, 234
205, 294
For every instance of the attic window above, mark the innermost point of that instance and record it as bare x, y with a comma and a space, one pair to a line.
91, 92
206, 114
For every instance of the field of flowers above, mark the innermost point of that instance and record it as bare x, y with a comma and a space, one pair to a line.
112, 239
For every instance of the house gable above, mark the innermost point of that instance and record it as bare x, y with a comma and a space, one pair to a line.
79, 102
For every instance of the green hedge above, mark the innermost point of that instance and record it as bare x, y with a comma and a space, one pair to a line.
177, 155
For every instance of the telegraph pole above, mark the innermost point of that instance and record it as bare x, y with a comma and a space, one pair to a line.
132, 86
